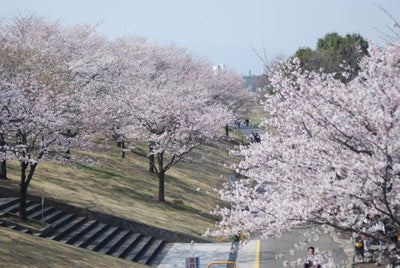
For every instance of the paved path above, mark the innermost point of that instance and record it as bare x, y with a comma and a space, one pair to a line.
248, 130
207, 252
272, 248
258, 253
210, 252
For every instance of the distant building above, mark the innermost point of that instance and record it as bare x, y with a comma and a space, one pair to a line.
219, 67
257, 82
250, 82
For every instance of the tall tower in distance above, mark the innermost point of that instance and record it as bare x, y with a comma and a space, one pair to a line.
218, 68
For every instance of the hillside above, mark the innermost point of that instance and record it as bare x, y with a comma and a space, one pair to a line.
23, 250
124, 188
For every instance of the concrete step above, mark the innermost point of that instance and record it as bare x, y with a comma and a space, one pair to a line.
66, 218
8, 225
107, 240
33, 208
157, 259
11, 226
150, 252
115, 241
26, 231
92, 235
63, 220
15, 227
14, 208
53, 216
7, 202
73, 236
67, 228
139, 249
104, 239
127, 246
38, 214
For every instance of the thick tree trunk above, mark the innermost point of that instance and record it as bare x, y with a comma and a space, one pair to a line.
161, 178
151, 160
161, 197
3, 170
23, 187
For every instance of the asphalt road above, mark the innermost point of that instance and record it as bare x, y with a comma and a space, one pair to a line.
285, 246
247, 131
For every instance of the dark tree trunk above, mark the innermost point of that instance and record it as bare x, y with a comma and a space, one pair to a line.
227, 130
151, 160
161, 197
161, 178
121, 144
23, 187
3, 170
3, 164
122, 149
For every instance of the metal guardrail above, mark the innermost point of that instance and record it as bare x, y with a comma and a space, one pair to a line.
222, 262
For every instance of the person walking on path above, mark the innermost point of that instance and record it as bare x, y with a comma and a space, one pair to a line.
311, 261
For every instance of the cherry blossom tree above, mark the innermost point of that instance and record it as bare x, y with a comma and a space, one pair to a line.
227, 87
331, 155
44, 84
165, 99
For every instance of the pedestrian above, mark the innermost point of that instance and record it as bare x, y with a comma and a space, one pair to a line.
311, 261
255, 137
365, 244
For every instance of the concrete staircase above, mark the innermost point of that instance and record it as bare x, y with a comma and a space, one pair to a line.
91, 234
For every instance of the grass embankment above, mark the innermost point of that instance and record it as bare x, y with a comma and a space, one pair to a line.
125, 188
256, 111
22, 250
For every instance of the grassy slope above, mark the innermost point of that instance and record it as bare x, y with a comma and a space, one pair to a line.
22, 250
124, 188
256, 112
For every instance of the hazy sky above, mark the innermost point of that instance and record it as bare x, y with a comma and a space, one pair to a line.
220, 30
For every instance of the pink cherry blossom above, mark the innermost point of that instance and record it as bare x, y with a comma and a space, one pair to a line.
330, 156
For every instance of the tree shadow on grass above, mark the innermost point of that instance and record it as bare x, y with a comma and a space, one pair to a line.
181, 206
99, 171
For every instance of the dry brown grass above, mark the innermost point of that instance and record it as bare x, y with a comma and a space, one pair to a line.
22, 250
124, 188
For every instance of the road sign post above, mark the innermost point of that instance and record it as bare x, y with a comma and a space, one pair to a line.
192, 262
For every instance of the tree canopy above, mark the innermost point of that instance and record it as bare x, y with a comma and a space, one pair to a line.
331, 155
334, 54
59, 87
